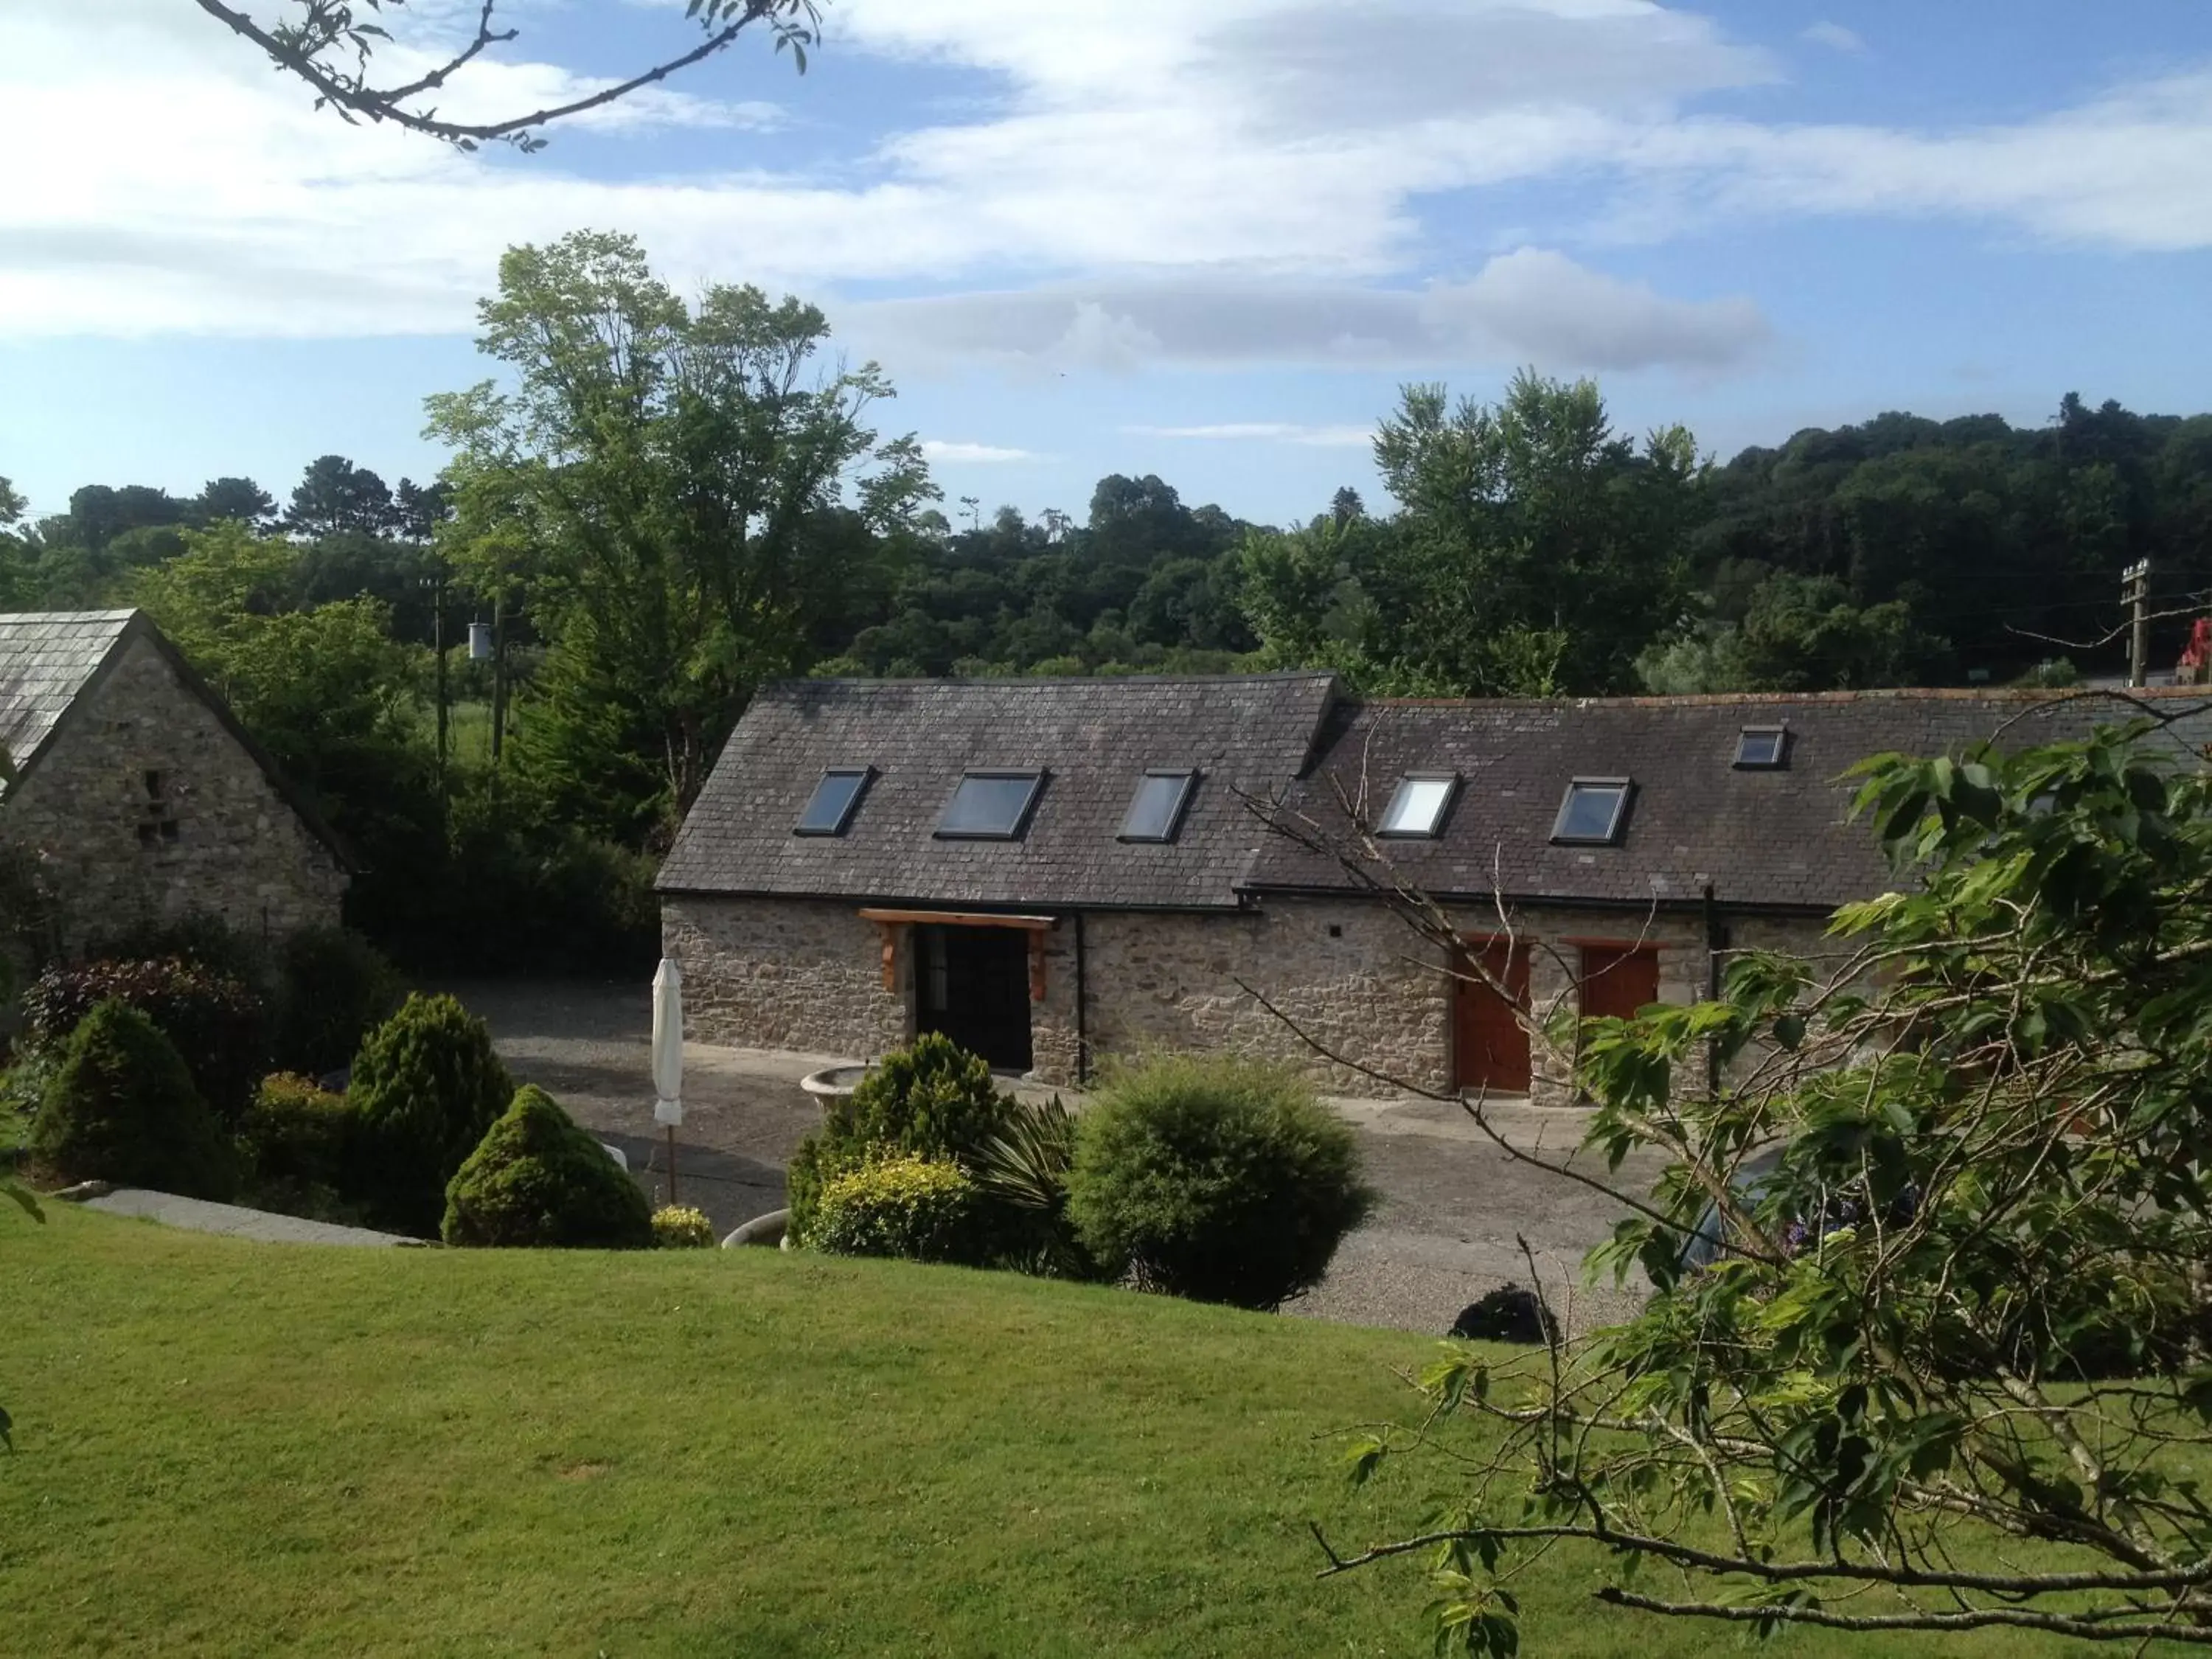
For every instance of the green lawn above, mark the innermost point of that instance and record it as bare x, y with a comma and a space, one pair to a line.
235, 1448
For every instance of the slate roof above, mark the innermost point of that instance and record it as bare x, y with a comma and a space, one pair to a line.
46, 659
1767, 839
49, 660
1094, 737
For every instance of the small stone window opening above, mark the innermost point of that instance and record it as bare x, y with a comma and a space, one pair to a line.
157, 823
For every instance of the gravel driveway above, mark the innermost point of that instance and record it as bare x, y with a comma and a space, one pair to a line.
1453, 1203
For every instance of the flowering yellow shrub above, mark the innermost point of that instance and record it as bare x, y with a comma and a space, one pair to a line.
919, 1208
679, 1227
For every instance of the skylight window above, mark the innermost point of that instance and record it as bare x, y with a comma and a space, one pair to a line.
1156, 809
990, 805
835, 798
1762, 748
1417, 806
1594, 812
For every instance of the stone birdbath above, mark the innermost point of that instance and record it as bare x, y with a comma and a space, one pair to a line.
836, 1082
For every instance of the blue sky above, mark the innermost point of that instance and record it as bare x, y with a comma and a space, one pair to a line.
1208, 240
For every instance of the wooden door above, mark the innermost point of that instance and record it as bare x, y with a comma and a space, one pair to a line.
1490, 1047
1618, 980
973, 985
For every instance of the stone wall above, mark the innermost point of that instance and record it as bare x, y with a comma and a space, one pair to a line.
145, 808
806, 975
798, 974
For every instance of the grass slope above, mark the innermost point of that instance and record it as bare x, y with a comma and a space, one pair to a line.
236, 1448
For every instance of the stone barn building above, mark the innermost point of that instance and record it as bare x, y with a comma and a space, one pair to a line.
138, 794
1054, 870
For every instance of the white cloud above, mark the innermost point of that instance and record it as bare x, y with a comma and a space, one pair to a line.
1530, 305
1835, 36
1281, 432
953, 451
1144, 170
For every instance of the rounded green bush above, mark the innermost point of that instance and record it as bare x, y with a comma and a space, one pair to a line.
934, 1099
1215, 1179
333, 988
297, 1131
425, 1088
121, 1106
538, 1182
918, 1209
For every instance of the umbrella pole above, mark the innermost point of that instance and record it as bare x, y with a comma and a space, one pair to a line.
672, 1163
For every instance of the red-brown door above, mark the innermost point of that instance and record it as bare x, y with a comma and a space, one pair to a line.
1490, 1047
1618, 980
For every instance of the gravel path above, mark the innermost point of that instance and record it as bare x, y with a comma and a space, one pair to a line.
1454, 1205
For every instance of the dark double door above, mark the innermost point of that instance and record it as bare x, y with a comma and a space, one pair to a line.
972, 984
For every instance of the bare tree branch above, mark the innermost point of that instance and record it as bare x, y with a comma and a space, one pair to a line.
315, 48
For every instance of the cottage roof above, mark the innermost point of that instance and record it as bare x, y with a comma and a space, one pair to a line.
46, 658
1772, 837
50, 660
1094, 739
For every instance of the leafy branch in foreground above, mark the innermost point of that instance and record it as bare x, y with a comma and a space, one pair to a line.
1926, 1345
328, 44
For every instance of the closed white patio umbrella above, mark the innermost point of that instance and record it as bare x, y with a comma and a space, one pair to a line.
668, 1056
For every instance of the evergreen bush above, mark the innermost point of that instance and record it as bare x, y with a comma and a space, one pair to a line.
934, 1099
425, 1087
297, 1131
918, 1209
333, 988
122, 1107
1214, 1178
538, 1182
213, 1016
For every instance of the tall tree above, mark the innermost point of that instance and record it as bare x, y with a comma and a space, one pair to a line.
682, 481
334, 497
240, 499
1537, 551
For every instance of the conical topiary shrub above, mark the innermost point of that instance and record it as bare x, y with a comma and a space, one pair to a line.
122, 1107
426, 1085
538, 1182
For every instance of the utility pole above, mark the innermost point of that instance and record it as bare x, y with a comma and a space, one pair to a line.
2135, 592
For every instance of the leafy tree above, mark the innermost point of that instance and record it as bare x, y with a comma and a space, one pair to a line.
678, 474
1926, 1350
326, 688
1798, 633
1538, 551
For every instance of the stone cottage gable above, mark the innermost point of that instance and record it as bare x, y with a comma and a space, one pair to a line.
139, 795
1094, 740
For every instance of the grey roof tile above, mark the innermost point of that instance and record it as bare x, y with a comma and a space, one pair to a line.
46, 658
1769, 838
1093, 737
